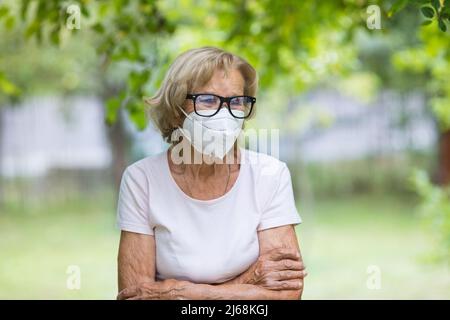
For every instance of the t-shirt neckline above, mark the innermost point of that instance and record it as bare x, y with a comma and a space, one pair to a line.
210, 201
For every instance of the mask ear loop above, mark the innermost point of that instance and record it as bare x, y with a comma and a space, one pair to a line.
184, 112
180, 130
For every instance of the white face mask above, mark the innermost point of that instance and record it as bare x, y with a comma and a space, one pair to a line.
213, 136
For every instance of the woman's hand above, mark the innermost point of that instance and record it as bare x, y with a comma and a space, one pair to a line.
170, 289
279, 269
278, 274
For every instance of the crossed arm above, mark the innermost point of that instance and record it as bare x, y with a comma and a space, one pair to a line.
277, 274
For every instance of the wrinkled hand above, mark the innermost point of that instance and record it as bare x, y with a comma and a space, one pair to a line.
279, 269
154, 290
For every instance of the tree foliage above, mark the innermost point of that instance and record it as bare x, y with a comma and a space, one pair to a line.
296, 41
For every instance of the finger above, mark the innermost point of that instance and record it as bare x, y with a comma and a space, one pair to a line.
289, 275
283, 253
284, 285
288, 265
127, 293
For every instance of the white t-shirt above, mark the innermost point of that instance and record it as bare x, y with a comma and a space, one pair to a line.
205, 241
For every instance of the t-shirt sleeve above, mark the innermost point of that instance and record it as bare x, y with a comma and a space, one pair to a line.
132, 205
280, 208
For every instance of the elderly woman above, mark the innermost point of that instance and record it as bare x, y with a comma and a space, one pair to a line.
207, 219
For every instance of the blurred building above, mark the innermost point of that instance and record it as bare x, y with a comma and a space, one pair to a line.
46, 133
49, 133
390, 124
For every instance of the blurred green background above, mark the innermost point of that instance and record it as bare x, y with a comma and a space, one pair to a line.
359, 91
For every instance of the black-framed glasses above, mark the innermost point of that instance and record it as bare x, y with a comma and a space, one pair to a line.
208, 105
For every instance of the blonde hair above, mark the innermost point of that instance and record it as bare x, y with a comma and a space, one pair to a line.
190, 70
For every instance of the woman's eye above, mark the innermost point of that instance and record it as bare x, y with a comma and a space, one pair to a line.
237, 102
207, 100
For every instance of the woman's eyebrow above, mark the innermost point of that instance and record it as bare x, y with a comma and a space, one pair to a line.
233, 93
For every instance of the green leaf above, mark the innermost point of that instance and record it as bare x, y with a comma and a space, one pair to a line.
32, 28
436, 4
84, 11
428, 12
427, 22
442, 25
9, 22
136, 80
137, 114
98, 27
396, 7
112, 107
445, 10
3, 11
7, 87
102, 9
54, 36
24, 8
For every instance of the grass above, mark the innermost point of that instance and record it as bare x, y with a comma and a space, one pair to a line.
340, 238
37, 248
343, 238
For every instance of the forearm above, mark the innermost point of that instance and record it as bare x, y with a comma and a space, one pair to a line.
172, 289
237, 292
135, 261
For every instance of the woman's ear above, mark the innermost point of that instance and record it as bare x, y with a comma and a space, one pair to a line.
179, 116
177, 120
